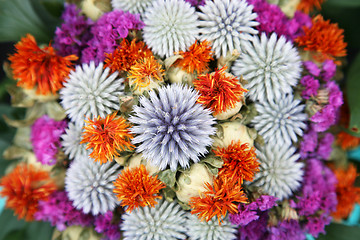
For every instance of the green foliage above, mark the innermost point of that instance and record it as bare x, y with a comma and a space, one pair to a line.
336, 231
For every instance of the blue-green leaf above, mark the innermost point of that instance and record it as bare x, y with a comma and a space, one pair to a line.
353, 96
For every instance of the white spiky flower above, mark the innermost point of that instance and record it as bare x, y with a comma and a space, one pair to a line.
132, 6
165, 221
280, 121
170, 26
211, 230
271, 65
227, 23
90, 186
280, 172
91, 91
71, 142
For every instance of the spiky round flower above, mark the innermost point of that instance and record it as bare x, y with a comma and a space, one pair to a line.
91, 91
211, 230
106, 136
280, 172
132, 6
71, 142
219, 90
89, 185
227, 23
280, 121
170, 26
137, 188
165, 221
270, 73
172, 128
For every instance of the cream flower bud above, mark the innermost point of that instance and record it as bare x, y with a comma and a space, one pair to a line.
94, 9
177, 75
137, 159
76, 232
229, 112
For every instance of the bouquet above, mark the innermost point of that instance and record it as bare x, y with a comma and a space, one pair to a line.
181, 119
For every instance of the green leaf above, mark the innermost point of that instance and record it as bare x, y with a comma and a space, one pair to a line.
9, 223
16, 235
336, 231
344, 3
353, 96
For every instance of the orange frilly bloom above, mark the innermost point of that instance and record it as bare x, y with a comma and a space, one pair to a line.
137, 188
24, 187
196, 58
39, 67
347, 141
307, 6
219, 90
219, 199
106, 136
240, 162
325, 39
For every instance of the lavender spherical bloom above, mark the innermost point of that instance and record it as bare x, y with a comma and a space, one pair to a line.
45, 138
171, 128
104, 225
286, 230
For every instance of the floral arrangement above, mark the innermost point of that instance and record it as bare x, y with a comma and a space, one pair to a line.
173, 119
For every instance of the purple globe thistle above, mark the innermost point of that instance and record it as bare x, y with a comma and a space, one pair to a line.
171, 127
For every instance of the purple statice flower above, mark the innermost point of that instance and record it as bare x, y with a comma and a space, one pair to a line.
266, 202
316, 225
59, 211
244, 216
296, 25
325, 146
286, 230
309, 202
316, 146
72, 35
255, 230
329, 70
309, 143
324, 118
311, 86
104, 225
45, 138
109, 29
312, 68
335, 94
196, 3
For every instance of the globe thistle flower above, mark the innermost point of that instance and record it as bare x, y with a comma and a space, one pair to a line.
211, 230
132, 6
172, 129
91, 91
280, 174
280, 121
165, 221
106, 136
227, 23
89, 185
269, 71
71, 142
170, 26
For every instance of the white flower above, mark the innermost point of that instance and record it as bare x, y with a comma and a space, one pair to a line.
280, 121
133, 6
71, 142
270, 65
170, 26
227, 23
280, 174
165, 221
211, 230
91, 91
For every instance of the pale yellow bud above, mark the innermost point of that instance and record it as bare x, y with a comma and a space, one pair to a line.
137, 159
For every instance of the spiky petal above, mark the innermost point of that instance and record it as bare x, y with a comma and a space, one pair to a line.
71, 142
132, 6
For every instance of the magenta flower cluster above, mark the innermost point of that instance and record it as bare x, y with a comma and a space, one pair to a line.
196, 3
104, 225
316, 145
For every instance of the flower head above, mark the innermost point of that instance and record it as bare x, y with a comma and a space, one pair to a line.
307, 6
347, 141
24, 187
219, 90
106, 136
227, 24
132, 6
137, 188
172, 128
170, 26
107, 226
39, 67
269, 71
71, 142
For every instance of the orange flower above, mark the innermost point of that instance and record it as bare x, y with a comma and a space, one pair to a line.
126, 55
135, 187
240, 162
196, 58
106, 136
347, 141
42, 67
347, 194
219, 90
324, 38
217, 200
307, 6
24, 187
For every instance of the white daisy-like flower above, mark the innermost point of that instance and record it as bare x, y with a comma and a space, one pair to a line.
71, 142
170, 26
211, 230
91, 91
270, 65
280, 121
90, 186
227, 23
165, 221
280, 173
132, 6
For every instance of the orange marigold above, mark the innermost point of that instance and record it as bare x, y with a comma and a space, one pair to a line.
126, 55
41, 67
324, 38
307, 6
196, 58
347, 194
219, 90
106, 136
224, 196
136, 188
240, 162
347, 141
24, 187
